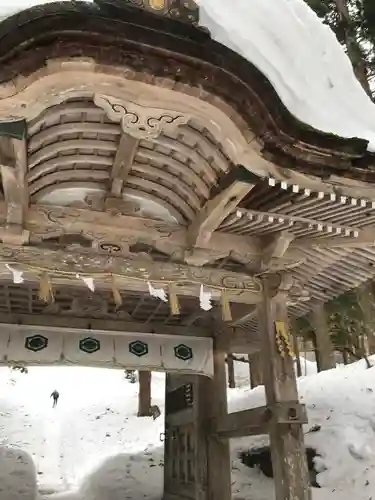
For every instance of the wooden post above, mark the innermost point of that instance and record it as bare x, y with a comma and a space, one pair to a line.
287, 441
325, 357
256, 369
219, 462
297, 354
231, 375
144, 395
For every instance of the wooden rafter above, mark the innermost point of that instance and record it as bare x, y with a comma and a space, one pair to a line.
123, 162
234, 186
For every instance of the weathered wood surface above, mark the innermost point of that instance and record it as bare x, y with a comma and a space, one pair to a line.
258, 420
133, 271
287, 441
256, 370
219, 462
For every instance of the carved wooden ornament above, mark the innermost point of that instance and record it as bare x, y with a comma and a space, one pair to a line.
139, 121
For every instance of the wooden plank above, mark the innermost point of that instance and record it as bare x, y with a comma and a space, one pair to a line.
287, 441
258, 420
242, 423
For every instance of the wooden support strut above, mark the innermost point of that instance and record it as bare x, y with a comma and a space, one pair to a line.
123, 162
235, 186
259, 420
287, 442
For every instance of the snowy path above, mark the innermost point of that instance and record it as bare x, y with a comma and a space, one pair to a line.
50, 459
93, 447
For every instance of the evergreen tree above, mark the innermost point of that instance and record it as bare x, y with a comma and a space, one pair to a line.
353, 22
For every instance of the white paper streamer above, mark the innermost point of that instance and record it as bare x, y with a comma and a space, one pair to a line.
205, 299
17, 275
89, 282
159, 293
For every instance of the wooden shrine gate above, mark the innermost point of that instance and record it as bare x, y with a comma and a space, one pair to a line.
193, 456
185, 467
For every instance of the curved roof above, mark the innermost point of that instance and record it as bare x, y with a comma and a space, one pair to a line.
167, 50
155, 143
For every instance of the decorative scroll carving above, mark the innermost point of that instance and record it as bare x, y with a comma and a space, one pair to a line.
133, 272
138, 121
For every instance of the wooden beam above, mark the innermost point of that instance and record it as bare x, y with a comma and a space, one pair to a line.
123, 162
132, 271
44, 221
109, 326
275, 247
235, 186
105, 326
47, 221
258, 421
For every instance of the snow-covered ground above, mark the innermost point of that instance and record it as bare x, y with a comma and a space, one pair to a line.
93, 447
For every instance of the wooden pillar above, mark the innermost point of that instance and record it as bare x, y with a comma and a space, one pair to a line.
297, 355
325, 357
289, 462
144, 395
219, 462
231, 375
256, 369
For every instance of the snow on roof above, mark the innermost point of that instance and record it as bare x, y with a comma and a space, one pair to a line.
299, 55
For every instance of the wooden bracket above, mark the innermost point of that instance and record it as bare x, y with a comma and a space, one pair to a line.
232, 188
258, 421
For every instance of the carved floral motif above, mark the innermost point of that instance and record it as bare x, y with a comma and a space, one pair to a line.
129, 267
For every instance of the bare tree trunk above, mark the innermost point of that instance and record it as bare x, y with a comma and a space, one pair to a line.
354, 50
231, 376
144, 395
324, 352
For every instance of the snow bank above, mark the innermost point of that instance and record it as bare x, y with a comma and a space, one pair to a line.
342, 403
96, 448
17, 475
299, 55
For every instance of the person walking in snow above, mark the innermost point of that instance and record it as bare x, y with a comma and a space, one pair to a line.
55, 395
